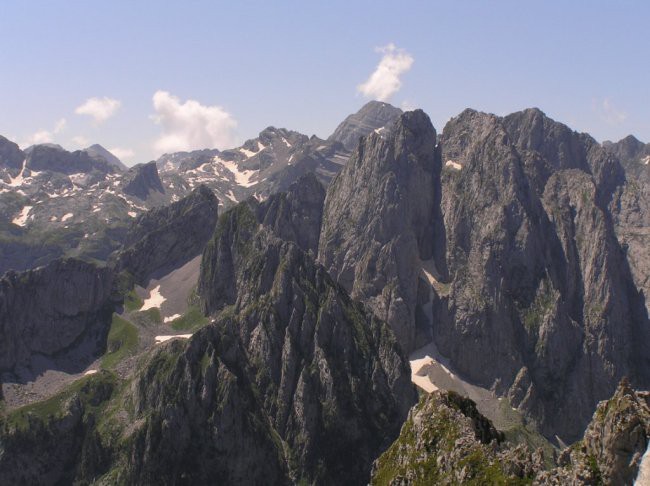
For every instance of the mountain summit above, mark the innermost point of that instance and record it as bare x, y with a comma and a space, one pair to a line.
372, 116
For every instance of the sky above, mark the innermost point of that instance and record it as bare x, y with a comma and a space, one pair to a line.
142, 78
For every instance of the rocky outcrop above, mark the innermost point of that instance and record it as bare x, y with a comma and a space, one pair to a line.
372, 116
296, 215
11, 157
53, 309
445, 440
142, 180
538, 277
382, 221
164, 238
613, 445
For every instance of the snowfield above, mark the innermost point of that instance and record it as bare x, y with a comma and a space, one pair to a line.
155, 299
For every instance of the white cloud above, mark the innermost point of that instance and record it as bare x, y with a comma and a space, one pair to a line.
608, 112
45, 136
41, 136
80, 141
385, 81
191, 125
122, 153
100, 109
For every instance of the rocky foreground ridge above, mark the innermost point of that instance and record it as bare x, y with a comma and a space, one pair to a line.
446, 441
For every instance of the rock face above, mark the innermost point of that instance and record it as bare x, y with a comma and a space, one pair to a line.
538, 277
630, 208
11, 157
382, 221
294, 216
143, 180
445, 440
372, 116
320, 360
163, 239
52, 309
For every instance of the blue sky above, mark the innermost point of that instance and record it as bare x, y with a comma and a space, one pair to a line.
299, 64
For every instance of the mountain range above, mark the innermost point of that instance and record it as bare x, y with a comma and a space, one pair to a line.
390, 305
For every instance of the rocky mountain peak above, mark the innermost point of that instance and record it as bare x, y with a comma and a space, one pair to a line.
382, 219
97, 150
142, 180
372, 116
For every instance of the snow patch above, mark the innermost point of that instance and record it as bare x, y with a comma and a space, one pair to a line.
453, 165
66, 217
21, 219
90, 372
19, 179
247, 153
155, 299
646, 160
171, 318
286, 142
133, 214
162, 339
242, 177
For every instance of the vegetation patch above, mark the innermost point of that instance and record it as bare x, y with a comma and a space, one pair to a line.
132, 301
192, 319
122, 341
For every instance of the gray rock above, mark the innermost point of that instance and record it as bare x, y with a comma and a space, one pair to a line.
11, 157
538, 277
142, 180
331, 377
53, 309
382, 220
630, 208
373, 115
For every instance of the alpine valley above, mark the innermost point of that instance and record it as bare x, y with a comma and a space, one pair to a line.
392, 305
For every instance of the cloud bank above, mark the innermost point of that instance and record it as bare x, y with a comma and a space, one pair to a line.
385, 81
100, 109
191, 125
